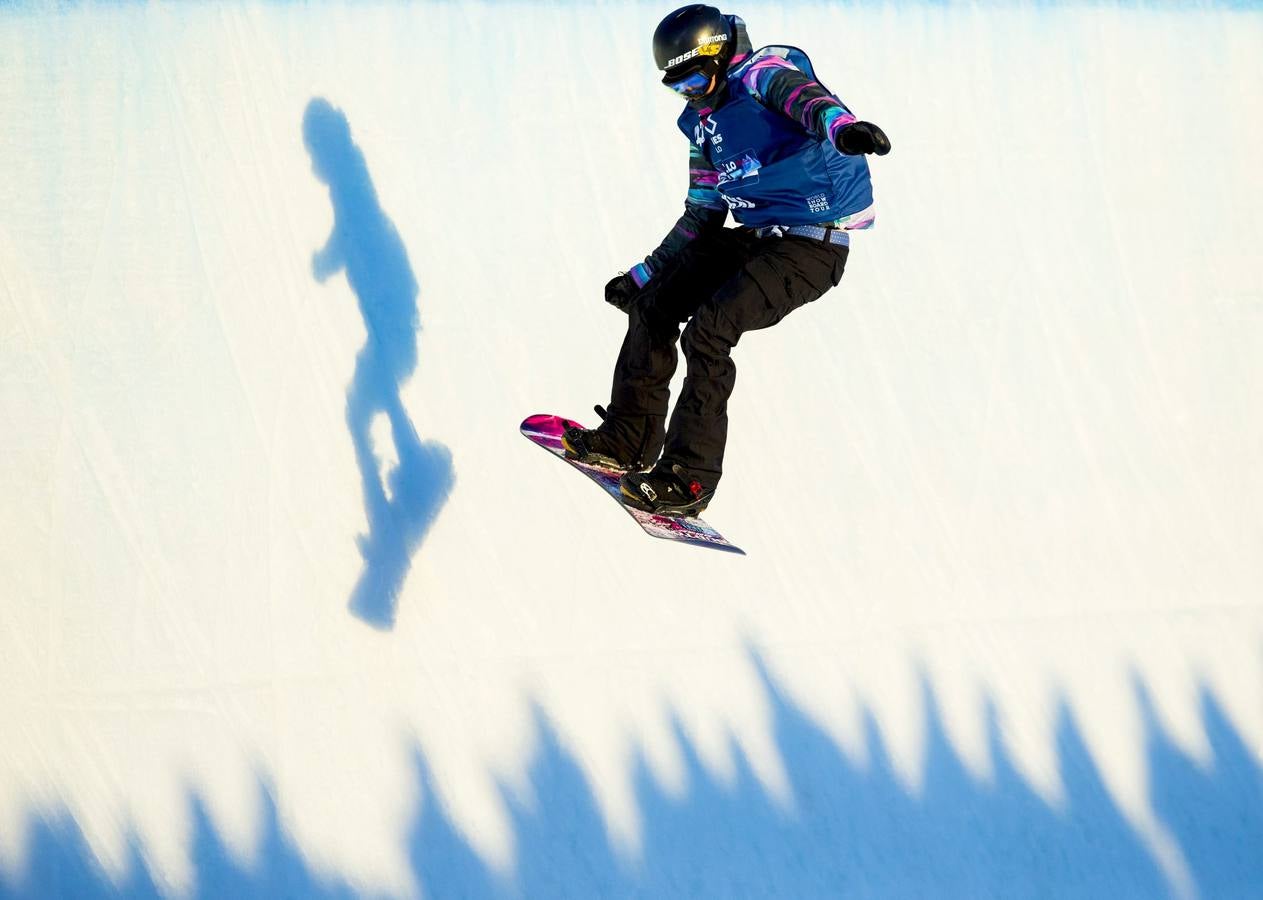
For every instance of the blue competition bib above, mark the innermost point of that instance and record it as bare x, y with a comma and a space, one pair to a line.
771, 170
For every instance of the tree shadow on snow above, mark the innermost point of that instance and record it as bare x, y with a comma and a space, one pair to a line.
853, 828
400, 507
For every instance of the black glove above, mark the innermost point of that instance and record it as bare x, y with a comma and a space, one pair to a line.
621, 291
863, 137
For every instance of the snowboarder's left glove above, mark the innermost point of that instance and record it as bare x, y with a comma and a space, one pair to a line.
863, 137
621, 291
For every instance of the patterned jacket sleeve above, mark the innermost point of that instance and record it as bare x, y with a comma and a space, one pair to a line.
779, 85
704, 211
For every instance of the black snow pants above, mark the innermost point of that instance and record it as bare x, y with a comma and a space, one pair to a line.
723, 285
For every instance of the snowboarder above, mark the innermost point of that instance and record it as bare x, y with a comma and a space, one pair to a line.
773, 146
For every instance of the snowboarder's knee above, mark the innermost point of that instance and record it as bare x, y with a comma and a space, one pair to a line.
708, 334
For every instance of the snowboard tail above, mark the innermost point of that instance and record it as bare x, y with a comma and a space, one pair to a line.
546, 430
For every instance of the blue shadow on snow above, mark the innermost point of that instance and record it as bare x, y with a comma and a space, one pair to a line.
365, 245
853, 830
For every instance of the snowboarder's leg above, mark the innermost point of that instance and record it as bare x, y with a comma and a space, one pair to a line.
637, 414
783, 274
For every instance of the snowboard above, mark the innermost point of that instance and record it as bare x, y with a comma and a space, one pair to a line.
546, 431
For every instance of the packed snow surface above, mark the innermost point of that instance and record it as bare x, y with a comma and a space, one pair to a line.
287, 607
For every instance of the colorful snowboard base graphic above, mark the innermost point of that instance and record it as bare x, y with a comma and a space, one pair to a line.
546, 431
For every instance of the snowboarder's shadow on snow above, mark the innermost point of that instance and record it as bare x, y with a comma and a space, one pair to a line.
364, 244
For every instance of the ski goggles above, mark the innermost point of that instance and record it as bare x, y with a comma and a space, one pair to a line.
695, 84
693, 81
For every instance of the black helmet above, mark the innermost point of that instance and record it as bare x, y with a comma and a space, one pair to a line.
693, 41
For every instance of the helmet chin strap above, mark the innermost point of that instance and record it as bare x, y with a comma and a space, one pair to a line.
717, 85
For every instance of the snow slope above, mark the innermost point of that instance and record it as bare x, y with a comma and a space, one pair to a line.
289, 611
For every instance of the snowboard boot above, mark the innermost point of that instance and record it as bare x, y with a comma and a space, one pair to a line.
665, 491
608, 446
593, 447
590, 447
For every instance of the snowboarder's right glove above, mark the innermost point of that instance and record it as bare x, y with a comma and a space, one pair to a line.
621, 291
863, 137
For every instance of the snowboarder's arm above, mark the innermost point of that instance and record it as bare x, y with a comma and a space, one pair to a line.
780, 86
704, 211
328, 259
